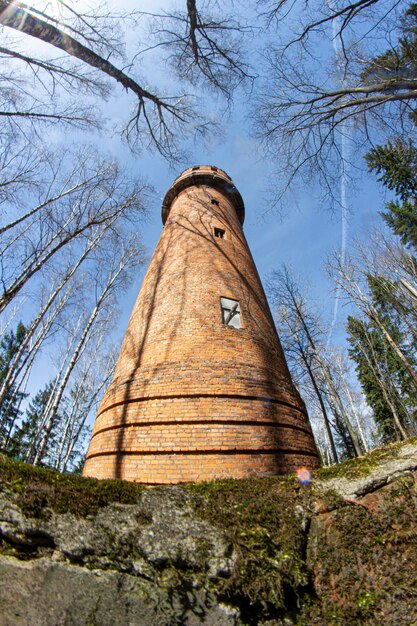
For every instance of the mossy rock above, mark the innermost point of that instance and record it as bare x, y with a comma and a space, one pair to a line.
38, 489
271, 550
365, 465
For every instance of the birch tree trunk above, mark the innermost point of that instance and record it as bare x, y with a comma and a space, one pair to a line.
31, 451
327, 376
352, 288
317, 391
57, 396
17, 363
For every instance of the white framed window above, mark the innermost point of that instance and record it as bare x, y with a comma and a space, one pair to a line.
231, 312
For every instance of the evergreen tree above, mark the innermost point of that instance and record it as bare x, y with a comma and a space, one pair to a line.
386, 383
396, 166
29, 429
398, 64
368, 350
10, 407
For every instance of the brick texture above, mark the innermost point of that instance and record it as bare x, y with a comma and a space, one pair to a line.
192, 398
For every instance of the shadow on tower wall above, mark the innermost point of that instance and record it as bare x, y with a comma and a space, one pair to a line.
228, 267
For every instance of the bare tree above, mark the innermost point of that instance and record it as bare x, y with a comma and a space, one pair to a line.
295, 343
87, 40
201, 47
20, 366
303, 334
46, 317
121, 258
22, 166
351, 280
317, 14
342, 76
38, 235
91, 378
340, 366
395, 271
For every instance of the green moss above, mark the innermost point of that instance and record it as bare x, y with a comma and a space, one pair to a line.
362, 466
366, 601
351, 550
38, 489
361, 559
262, 518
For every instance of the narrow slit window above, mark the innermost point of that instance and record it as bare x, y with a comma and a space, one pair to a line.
231, 312
220, 233
214, 201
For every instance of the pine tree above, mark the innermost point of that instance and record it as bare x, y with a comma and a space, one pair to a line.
10, 407
396, 166
368, 351
386, 383
398, 64
29, 428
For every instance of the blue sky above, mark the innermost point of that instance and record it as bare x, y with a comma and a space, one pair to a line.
302, 237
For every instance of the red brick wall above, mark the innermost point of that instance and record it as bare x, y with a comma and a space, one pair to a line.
193, 399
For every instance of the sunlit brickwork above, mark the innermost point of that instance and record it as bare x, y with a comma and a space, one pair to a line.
196, 395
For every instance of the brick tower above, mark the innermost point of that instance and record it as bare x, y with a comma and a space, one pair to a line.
201, 389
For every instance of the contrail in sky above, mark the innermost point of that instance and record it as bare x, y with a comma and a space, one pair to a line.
344, 149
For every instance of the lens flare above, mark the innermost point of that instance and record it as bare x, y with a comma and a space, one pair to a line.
303, 475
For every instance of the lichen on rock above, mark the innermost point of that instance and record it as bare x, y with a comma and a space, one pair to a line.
340, 551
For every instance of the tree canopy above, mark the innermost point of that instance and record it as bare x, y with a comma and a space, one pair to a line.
320, 85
